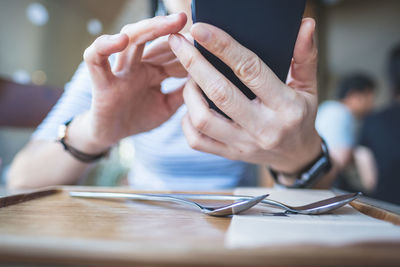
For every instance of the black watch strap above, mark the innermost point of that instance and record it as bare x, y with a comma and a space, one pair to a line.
310, 174
81, 156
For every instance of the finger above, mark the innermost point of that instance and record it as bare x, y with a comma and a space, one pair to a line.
147, 30
215, 85
207, 121
127, 58
161, 46
160, 59
246, 65
174, 100
96, 57
157, 47
169, 69
159, 51
305, 58
201, 142
174, 68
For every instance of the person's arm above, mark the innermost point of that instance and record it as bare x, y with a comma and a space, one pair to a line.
276, 129
366, 166
342, 156
336, 124
364, 158
126, 100
45, 162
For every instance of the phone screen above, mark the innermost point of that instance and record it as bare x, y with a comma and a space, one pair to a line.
269, 28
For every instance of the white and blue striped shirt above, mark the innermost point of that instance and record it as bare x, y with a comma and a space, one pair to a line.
163, 160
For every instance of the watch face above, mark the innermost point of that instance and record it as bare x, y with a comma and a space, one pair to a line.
62, 130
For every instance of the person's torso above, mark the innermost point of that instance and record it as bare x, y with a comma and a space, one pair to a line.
164, 160
384, 141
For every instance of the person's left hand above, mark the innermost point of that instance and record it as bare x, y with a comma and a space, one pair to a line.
159, 54
277, 128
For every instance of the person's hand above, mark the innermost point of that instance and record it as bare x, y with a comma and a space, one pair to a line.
277, 128
126, 97
159, 53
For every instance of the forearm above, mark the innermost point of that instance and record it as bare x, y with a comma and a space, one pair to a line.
44, 163
366, 166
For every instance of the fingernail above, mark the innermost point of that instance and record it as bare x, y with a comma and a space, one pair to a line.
173, 16
201, 33
115, 36
175, 42
312, 24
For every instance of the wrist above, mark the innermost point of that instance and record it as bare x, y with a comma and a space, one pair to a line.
81, 136
309, 175
307, 153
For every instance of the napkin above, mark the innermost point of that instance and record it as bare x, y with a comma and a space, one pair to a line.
265, 226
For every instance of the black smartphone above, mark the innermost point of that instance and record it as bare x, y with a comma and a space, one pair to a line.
269, 28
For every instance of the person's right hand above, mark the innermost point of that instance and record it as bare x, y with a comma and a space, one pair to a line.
278, 127
126, 98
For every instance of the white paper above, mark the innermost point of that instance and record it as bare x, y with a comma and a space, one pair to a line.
265, 226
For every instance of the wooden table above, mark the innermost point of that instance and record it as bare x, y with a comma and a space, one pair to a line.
57, 229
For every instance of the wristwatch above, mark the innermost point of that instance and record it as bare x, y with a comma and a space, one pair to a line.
309, 175
79, 155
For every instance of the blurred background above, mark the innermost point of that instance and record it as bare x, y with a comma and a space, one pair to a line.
42, 43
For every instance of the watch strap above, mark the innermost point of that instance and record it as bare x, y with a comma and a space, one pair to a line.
310, 174
79, 155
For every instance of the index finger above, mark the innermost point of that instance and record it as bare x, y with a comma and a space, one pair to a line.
216, 86
144, 31
96, 57
150, 29
160, 46
246, 65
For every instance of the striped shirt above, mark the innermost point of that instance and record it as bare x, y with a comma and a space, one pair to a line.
163, 160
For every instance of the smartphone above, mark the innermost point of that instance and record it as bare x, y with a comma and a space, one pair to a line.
269, 28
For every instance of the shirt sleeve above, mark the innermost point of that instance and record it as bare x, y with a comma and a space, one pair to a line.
336, 125
75, 100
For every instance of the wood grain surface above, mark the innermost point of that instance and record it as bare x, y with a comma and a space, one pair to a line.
57, 229
23, 197
376, 212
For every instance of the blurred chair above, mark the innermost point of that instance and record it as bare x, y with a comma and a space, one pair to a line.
22, 106
25, 105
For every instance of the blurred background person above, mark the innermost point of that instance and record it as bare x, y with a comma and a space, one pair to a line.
337, 119
378, 158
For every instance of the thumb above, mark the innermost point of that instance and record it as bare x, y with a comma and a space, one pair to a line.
174, 100
303, 71
96, 57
